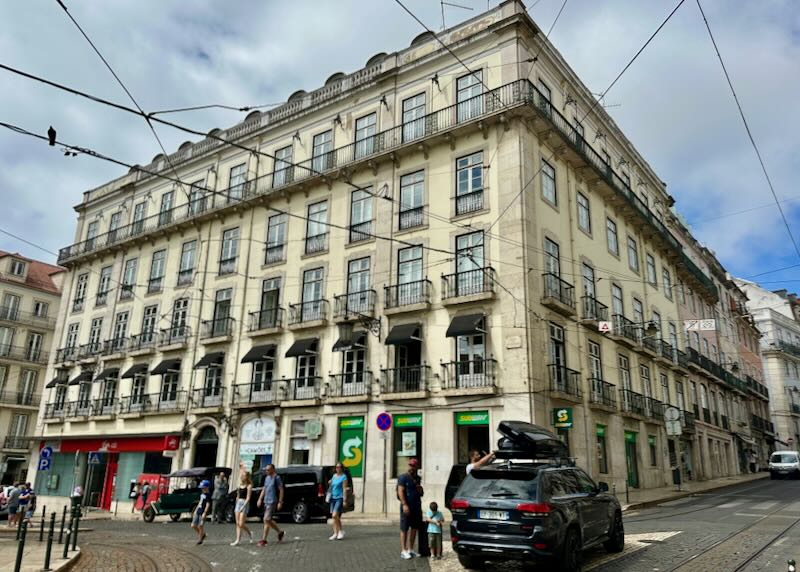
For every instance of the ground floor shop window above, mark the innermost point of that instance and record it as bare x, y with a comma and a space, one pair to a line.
602, 450
472, 432
301, 446
157, 464
407, 440
651, 445
631, 459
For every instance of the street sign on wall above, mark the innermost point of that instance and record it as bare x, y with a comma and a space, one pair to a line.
700, 325
562, 418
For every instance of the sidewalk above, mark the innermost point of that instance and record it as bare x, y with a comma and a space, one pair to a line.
33, 554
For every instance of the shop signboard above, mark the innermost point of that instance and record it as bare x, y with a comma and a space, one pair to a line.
562, 418
351, 444
408, 420
472, 418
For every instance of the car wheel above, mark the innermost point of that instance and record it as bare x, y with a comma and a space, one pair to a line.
149, 515
570, 558
471, 563
616, 540
300, 512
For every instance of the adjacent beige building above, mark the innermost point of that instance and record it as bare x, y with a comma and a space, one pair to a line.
442, 244
29, 301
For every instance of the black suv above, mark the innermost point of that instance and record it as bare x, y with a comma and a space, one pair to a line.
532, 506
304, 496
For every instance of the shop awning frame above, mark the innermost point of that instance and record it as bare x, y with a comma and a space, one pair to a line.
211, 358
264, 352
357, 341
167, 366
303, 347
107, 373
82, 377
466, 325
404, 334
134, 370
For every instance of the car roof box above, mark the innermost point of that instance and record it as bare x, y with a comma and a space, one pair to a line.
526, 440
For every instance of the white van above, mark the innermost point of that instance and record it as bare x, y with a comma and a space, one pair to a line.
784, 464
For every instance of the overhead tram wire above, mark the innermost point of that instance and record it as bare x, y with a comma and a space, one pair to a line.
214, 106
749, 132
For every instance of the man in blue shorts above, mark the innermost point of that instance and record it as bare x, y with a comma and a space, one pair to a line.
199, 514
409, 491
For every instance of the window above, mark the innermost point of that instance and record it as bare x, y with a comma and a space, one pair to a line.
80, 292
10, 308
128, 279
169, 387
236, 182
469, 183
358, 293
644, 377
617, 302
312, 307
651, 443
322, 158
633, 255
222, 312
468, 90
139, 213
602, 449
19, 425
354, 364
149, 323
584, 214
587, 275
40, 309
705, 347
96, 335
414, 117
664, 388
595, 360
470, 366
197, 198
17, 268
544, 89
470, 264
283, 172
6, 339
638, 313
180, 313
276, 239
188, 255
103, 285
91, 233
673, 334
317, 227
549, 183
365, 135
552, 258
657, 322
305, 384
165, 212
72, 336
33, 346
650, 263
157, 268
623, 364
681, 291
410, 288
666, 279
300, 445
229, 251
261, 379
113, 225
212, 388
696, 339
412, 189
679, 398
120, 331
360, 216
558, 354
270, 302
611, 237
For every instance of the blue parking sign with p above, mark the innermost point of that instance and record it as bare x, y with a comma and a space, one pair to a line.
44, 464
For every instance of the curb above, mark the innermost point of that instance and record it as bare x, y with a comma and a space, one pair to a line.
70, 563
684, 494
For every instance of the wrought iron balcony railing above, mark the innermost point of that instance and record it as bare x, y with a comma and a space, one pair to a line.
625, 328
267, 318
185, 277
632, 402
32, 355
165, 401
174, 335
274, 253
407, 294
216, 328
66, 354
258, 393
408, 379
17, 442
603, 393
565, 380
310, 311
594, 310
209, 396
411, 217
11, 314
361, 231
558, 289
55, 410
143, 341
353, 384
301, 388
355, 303
469, 202
104, 406
115, 345
468, 282
22, 398
469, 374
316, 243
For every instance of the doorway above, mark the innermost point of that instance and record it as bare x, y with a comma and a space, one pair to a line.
631, 457
205, 448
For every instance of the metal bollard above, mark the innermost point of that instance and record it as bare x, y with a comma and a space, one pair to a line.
21, 546
75, 529
63, 521
66, 541
627, 493
49, 549
41, 530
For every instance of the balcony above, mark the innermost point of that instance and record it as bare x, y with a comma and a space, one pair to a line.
66, 354
558, 294
593, 310
269, 320
30, 355
411, 217
115, 346
273, 254
177, 336
682, 359
227, 266
469, 202
303, 389
354, 304
143, 343
164, 402
90, 351
796, 408
565, 383
218, 329
470, 376
308, 314
407, 297
208, 397
126, 292
666, 353
255, 394
185, 277
17, 316
103, 407
650, 345
19, 442
80, 408
788, 348
361, 231
632, 403
20, 398
316, 243
724, 422
349, 387
654, 409
688, 422
101, 299
78, 304
603, 395
625, 330
408, 381
55, 411
155, 285
468, 286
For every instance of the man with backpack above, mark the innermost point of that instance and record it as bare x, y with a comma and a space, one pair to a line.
272, 498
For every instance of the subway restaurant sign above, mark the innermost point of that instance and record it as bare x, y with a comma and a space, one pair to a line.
351, 444
562, 418
409, 420
472, 418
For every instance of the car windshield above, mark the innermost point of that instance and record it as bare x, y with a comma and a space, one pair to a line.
784, 458
496, 484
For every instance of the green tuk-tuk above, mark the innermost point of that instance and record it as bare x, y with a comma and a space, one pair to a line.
184, 492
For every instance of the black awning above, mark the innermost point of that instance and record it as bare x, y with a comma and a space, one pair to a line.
106, 373
167, 366
357, 340
82, 376
307, 346
260, 353
212, 358
134, 370
467, 325
403, 334
55, 382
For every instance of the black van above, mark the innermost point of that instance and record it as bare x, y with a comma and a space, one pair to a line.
304, 497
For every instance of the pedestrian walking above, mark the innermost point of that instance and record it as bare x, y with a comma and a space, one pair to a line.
243, 494
338, 488
219, 498
136, 491
199, 514
409, 491
24, 497
435, 520
13, 504
31, 507
272, 498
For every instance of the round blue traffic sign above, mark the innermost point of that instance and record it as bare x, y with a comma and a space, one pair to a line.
384, 421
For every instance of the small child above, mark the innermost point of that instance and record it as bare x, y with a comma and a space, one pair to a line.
199, 516
435, 520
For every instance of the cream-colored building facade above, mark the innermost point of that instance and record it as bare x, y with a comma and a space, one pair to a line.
30, 292
439, 243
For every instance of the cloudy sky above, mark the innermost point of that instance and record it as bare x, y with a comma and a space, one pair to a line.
673, 103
